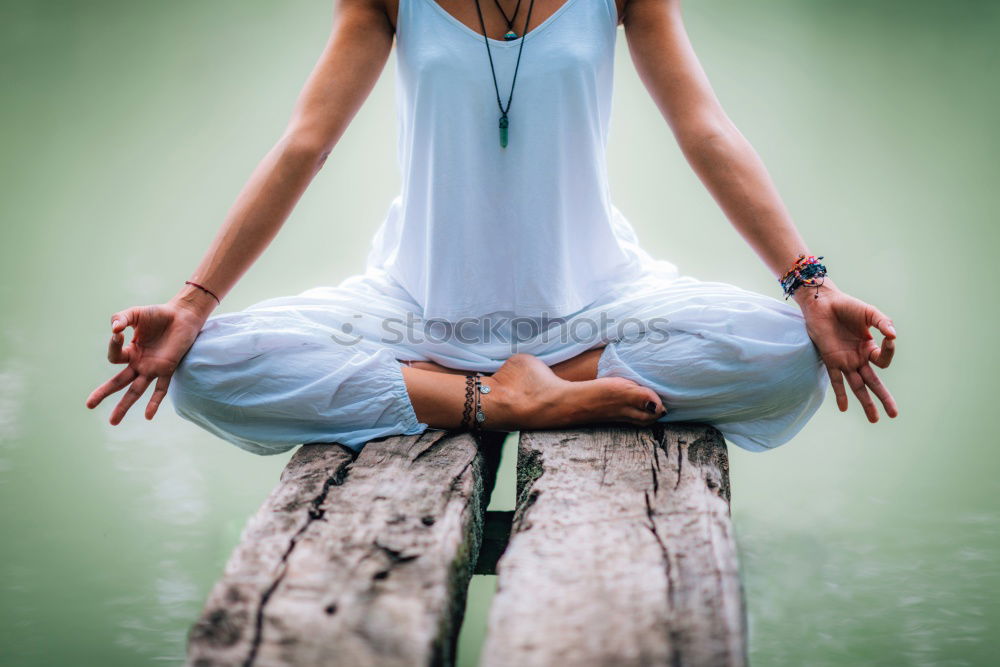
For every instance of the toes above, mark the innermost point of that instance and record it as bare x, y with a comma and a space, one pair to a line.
640, 417
640, 405
650, 402
654, 409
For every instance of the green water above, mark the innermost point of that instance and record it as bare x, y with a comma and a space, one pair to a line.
128, 128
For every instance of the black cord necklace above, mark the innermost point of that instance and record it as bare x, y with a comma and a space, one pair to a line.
510, 34
504, 122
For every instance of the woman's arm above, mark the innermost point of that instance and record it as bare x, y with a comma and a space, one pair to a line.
721, 156
347, 70
739, 182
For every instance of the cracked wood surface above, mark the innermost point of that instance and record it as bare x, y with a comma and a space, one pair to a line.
621, 552
355, 559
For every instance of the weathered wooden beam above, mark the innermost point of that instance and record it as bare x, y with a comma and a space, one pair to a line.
621, 553
355, 559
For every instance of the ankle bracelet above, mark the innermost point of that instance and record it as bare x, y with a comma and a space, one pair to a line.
473, 415
480, 390
470, 389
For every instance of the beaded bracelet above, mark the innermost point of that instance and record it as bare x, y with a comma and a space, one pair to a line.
480, 390
806, 271
473, 415
470, 391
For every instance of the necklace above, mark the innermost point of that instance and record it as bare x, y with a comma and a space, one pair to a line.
504, 121
510, 34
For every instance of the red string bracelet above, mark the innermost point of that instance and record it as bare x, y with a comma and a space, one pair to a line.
210, 292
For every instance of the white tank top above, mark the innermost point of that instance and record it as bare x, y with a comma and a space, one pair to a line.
528, 229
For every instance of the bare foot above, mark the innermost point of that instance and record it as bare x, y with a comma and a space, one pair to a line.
526, 394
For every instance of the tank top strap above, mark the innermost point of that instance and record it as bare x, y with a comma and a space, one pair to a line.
612, 10
404, 10
411, 14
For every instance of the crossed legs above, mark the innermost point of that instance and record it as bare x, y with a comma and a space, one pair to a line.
268, 379
525, 393
736, 359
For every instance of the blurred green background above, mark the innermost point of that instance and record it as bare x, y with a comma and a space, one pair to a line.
127, 129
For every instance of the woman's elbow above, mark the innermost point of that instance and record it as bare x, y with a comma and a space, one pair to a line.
306, 146
709, 139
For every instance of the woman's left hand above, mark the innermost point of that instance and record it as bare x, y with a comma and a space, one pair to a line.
839, 326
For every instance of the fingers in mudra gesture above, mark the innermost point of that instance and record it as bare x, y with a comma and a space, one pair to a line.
840, 326
162, 335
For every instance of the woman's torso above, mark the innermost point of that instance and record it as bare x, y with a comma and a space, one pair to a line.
528, 229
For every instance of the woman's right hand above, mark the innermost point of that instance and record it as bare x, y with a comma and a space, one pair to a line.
162, 336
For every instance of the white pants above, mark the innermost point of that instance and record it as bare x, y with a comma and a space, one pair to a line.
324, 365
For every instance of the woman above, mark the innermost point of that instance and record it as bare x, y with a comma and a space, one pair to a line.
503, 290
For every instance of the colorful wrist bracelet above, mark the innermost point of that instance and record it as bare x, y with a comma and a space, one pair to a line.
806, 271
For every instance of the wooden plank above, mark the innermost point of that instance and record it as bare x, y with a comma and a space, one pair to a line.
621, 552
355, 560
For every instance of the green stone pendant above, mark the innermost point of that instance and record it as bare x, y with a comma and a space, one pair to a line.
510, 35
503, 130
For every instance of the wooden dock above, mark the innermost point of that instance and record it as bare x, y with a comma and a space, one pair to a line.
619, 552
